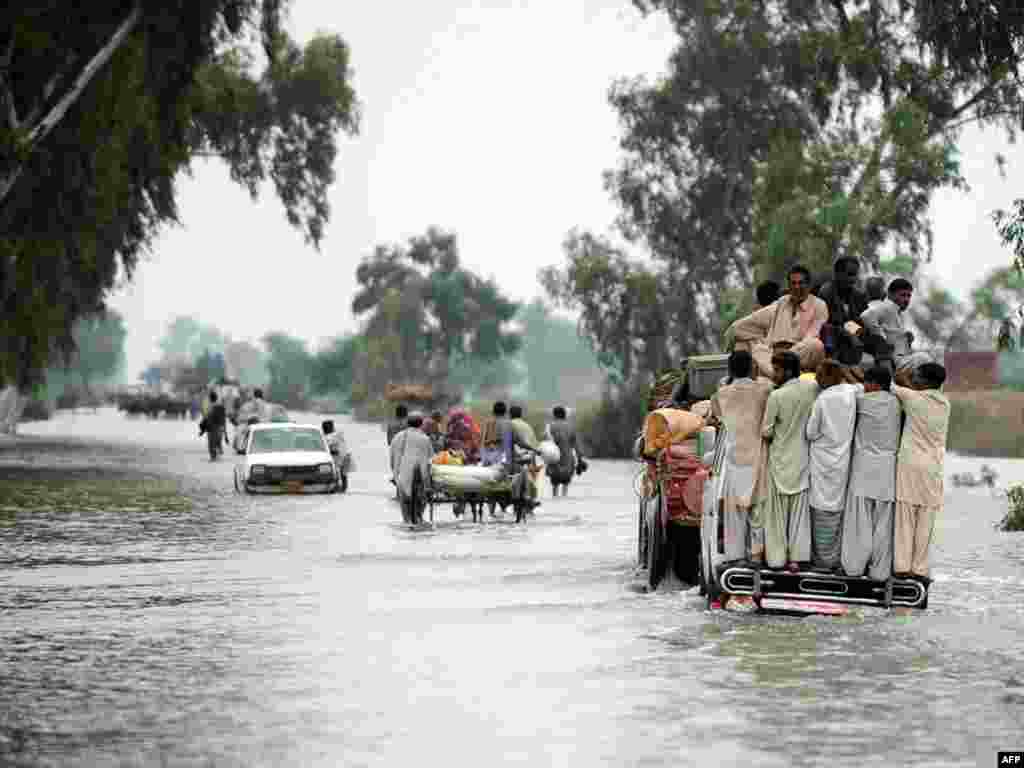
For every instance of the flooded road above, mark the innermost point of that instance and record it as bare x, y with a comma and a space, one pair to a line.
151, 616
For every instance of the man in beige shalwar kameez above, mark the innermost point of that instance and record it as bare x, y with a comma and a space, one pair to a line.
739, 406
919, 469
786, 511
793, 322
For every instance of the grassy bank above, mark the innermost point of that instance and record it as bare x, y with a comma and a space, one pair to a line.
987, 423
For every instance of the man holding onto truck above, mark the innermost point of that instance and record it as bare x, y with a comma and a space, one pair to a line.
792, 323
867, 521
740, 406
919, 470
786, 513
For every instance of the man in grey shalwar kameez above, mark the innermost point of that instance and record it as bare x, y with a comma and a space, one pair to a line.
787, 522
411, 452
867, 525
830, 434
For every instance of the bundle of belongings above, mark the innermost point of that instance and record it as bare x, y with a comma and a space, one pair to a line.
664, 385
681, 446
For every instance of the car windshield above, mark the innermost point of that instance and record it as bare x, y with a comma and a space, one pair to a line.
275, 440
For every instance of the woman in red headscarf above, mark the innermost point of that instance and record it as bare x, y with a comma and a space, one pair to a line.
463, 435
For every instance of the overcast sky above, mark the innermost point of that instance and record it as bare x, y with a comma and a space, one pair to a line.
488, 118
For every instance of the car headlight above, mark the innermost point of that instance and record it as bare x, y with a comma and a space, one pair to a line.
325, 469
257, 469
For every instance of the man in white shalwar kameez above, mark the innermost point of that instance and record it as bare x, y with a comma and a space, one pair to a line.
739, 406
830, 435
787, 524
867, 522
919, 470
411, 452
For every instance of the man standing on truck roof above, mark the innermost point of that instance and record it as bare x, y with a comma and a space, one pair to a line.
867, 521
830, 434
793, 322
919, 470
740, 406
787, 521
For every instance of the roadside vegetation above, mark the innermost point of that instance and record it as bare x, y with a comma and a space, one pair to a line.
1014, 520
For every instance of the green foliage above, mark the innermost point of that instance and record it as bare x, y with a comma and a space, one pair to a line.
790, 131
246, 362
625, 307
554, 357
900, 264
609, 427
79, 204
187, 338
425, 313
937, 315
1010, 226
333, 369
1014, 519
288, 366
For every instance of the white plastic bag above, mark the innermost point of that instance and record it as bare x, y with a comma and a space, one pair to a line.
549, 451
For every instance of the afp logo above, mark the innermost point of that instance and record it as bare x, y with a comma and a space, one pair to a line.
1015, 759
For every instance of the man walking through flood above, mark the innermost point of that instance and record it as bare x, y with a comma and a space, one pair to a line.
867, 521
411, 452
214, 425
525, 435
830, 437
787, 523
919, 470
398, 423
793, 322
740, 406
569, 455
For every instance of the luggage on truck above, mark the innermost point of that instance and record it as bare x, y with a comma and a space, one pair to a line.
667, 426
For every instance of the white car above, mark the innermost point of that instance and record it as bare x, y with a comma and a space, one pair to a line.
286, 458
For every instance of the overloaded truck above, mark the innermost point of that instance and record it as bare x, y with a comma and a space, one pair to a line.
680, 521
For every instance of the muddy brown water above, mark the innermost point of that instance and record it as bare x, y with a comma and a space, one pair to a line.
149, 615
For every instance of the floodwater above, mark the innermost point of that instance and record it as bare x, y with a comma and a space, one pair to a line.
151, 616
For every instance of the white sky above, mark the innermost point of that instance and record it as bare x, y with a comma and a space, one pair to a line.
486, 117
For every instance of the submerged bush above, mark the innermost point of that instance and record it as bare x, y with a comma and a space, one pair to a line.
1014, 520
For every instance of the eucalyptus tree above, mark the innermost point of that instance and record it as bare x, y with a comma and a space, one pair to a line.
426, 313
787, 131
625, 308
104, 104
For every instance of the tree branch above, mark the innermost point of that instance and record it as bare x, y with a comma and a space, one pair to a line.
43, 128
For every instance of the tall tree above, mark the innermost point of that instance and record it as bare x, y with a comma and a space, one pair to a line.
245, 362
334, 366
102, 105
288, 366
624, 307
788, 131
426, 312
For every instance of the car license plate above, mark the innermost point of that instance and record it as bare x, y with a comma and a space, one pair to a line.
293, 486
802, 606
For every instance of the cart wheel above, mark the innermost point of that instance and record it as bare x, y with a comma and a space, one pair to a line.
656, 547
343, 483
